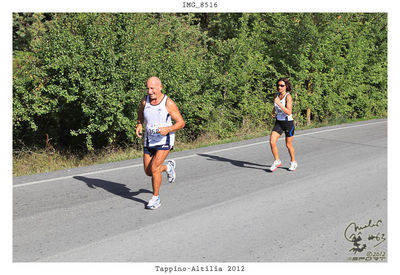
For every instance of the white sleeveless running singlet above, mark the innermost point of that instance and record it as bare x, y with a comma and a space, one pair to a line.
156, 116
281, 115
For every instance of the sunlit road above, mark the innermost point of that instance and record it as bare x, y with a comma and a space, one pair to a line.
224, 206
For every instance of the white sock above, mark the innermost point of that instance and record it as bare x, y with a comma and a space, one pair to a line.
155, 197
169, 168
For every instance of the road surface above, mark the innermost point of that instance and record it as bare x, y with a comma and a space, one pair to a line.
225, 205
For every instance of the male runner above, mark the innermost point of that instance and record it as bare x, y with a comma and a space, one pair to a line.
157, 112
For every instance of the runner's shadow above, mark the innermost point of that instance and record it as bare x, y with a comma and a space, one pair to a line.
115, 188
238, 163
280, 167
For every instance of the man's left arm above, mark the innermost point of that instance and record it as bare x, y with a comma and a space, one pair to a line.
176, 116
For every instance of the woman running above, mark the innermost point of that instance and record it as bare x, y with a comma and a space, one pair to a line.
284, 122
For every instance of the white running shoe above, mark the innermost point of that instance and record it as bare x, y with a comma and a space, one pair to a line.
293, 166
154, 203
275, 165
171, 175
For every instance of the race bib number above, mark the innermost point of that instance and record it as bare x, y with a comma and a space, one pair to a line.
153, 131
153, 134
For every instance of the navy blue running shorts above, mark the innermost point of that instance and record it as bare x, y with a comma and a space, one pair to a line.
284, 125
153, 150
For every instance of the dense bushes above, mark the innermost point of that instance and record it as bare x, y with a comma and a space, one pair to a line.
79, 77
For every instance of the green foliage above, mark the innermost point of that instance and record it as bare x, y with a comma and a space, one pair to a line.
93, 69
79, 77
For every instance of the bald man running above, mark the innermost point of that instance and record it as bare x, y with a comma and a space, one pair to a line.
157, 111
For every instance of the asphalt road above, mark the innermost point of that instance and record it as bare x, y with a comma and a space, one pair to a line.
224, 206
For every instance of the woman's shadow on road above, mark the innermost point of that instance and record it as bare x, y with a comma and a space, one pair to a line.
115, 188
238, 163
242, 164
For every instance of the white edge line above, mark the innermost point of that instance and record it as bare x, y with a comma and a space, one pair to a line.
189, 156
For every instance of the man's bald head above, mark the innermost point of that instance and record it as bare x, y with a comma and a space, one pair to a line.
154, 88
154, 80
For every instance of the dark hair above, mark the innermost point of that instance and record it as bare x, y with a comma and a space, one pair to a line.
287, 83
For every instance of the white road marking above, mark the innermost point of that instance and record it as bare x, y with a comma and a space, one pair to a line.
189, 156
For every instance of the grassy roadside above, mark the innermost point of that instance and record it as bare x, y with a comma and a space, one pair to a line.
39, 161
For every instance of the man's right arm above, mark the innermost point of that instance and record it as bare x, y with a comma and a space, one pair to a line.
140, 121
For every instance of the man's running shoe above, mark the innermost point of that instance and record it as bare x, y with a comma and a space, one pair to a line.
154, 203
171, 171
275, 165
293, 166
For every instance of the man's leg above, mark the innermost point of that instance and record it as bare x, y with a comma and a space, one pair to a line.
146, 164
156, 167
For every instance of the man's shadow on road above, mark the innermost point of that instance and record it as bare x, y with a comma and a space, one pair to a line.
115, 188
